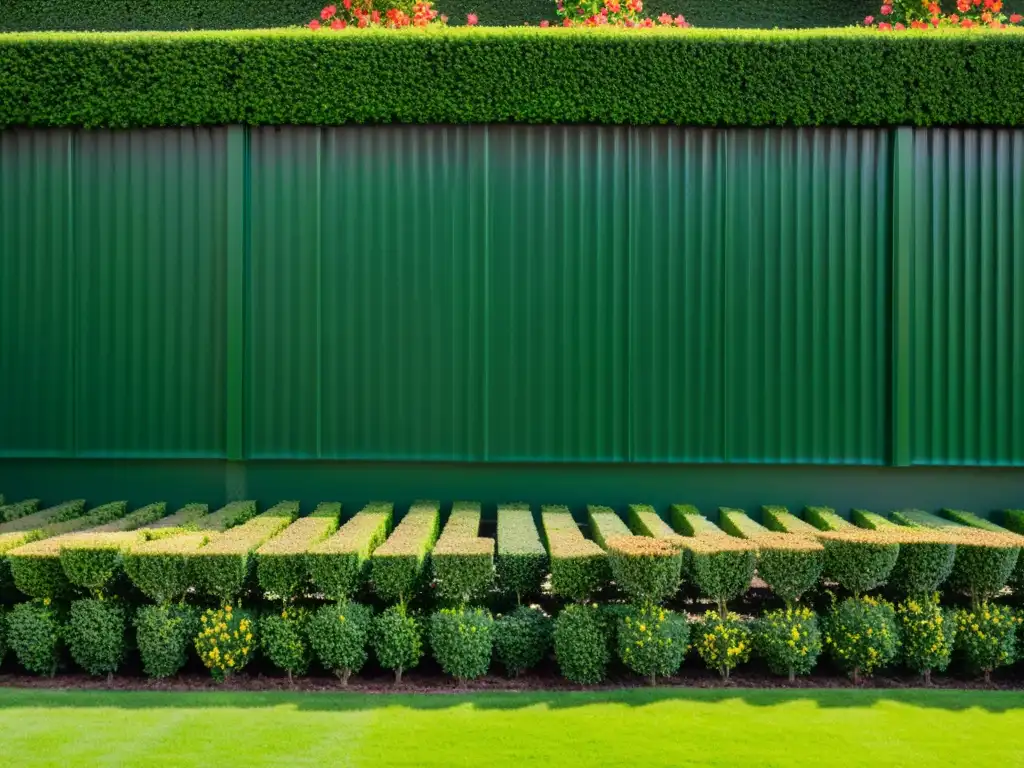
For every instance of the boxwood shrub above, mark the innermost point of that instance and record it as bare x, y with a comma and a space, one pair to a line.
285, 640
281, 563
581, 641
222, 567
925, 557
95, 635
579, 567
522, 639
161, 567
462, 640
688, 521
648, 570
1013, 519
984, 559
17, 510
34, 632
788, 640
397, 639
187, 518
494, 75
722, 566
339, 634
861, 635
164, 634
522, 561
605, 524
644, 520
339, 565
398, 565
652, 641
781, 520
858, 560
462, 560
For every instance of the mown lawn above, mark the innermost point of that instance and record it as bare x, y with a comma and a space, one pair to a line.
635, 727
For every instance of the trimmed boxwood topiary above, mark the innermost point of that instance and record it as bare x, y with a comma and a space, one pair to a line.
284, 640
522, 638
646, 569
282, 567
789, 640
398, 565
581, 644
95, 635
462, 640
164, 634
652, 641
579, 567
522, 560
722, 566
861, 635
340, 636
462, 561
397, 639
340, 564
34, 632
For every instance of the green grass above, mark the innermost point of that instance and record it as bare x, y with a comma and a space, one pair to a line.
636, 727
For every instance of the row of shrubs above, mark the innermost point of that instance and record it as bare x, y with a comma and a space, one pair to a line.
58, 553
857, 77
860, 635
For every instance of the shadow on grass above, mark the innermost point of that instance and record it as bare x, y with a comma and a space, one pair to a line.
839, 698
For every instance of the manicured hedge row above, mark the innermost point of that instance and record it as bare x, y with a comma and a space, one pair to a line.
282, 564
398, 565
339, 565
522, 560
18, 509
579, 567
462, 560
481, 75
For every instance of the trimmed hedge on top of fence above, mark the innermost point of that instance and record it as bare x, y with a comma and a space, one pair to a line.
579, 567
462, 560
486, 75
522, 560
398, 565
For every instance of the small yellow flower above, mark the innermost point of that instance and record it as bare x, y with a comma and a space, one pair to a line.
46, 601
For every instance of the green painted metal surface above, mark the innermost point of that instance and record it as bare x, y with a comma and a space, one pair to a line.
966, 297
514, 293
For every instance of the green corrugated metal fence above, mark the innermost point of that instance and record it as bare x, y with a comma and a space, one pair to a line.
514, 293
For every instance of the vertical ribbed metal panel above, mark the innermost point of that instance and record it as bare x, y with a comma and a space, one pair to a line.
967, 295
557, 369
149, 245
807, 243
677, 339
403, 303
36, 294
283, 416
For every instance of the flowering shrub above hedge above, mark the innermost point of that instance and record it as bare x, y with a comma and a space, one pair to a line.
362, 14
897, 15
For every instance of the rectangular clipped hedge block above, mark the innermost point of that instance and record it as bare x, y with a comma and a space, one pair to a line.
688, 521
644, 520
925, 557
605, 524
986, 554
462, 560
35, 566
186, 518
721, 567
1013, 519
222, 567
18, 510
35, 521
872, 521
144, 516
398, 565
781, 520
579, 567
228, 516
737, 523
161, 567
92, 559
339, 565
808, 77
826, 519
281, 563
522, 560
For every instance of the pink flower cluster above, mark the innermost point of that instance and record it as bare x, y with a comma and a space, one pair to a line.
362, 14
903, 14
622, 13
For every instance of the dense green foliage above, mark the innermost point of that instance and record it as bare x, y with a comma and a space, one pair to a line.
34, 632
927, 632
522, 639
859, 560
397, 640
340, 635
688, 521
579, 567
723, 641
605, 524
160, 568
481, 75
223, 567
23, 15
95, 635
227, 640
462, 560
986, 637
522, 561
398, 565
722, 566
164, 634
462, 640
925, 557
788, 640
861, 635
647, 570
652, 641
581, 644
339, 565
284, 641
281, 563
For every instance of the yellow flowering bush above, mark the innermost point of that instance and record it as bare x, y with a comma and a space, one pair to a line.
653, 641
987, 637
861, 635
723, 642
927, 633
226, 640
283, 639
789, 640
462, 640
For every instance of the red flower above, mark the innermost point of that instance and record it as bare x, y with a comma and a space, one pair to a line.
935, 21
899, 27
664, 19
680, 21
885, 26
314, 25
918, 25
986, 17
363, 21
471, 19
1016, 18
886, 9
338, 24
934, 9
347, 4
869, 20
997, 6
954, 18
327, 12
966, 23
566, 22
375, 17
544, 24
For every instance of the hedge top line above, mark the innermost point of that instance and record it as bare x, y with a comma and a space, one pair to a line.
710, 77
